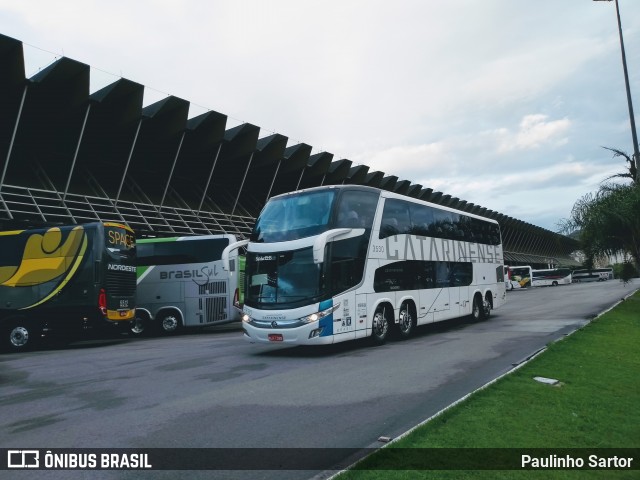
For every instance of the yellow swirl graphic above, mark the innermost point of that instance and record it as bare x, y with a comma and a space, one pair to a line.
70, 273
45, 258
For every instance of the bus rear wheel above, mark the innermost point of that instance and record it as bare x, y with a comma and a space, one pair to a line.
380, 327
477, 309
486, 308
138, 326
406, 321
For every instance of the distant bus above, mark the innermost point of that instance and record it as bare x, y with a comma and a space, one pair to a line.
593, 275
519, 277
181, 283
64, 281
336, 263
550, 277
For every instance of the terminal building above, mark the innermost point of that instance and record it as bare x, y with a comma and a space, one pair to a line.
69, 155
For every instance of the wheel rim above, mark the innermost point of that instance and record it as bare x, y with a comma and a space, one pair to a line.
19, 337
169, 323
138, 326
380, 325
406, 321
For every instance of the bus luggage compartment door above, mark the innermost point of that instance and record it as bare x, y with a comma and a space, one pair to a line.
206, 303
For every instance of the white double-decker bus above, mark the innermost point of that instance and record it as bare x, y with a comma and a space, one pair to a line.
337, 263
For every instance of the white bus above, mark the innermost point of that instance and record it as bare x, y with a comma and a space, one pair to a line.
181, 283
593, 275
551, 277
337, 263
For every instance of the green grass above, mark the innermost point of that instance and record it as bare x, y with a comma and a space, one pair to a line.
597, 405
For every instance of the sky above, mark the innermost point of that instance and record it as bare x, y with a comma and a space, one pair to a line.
503, 103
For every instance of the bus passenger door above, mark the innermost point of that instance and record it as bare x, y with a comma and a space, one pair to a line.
460, 277
434, 292
442, 304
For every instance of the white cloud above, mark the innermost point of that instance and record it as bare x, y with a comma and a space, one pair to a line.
534, 132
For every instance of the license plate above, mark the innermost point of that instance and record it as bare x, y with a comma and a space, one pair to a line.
275, 337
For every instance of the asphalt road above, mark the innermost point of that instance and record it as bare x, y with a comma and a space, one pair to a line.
212, 389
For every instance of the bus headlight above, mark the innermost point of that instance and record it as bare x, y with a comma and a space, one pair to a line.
246, 318
314, 317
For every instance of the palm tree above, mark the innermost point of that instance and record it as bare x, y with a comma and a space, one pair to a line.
632, 168
609, 220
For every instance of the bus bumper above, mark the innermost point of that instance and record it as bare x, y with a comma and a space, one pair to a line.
303, 335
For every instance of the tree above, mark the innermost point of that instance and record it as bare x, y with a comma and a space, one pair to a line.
609, 220
632, 168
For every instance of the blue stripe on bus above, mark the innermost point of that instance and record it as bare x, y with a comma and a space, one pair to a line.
326, 322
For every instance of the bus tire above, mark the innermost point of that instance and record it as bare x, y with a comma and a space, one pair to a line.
139, 326
20, 336
554, 284
380, 325
486, 307
406, 320
477, 308
168, 323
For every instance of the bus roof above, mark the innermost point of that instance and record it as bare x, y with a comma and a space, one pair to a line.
386, 194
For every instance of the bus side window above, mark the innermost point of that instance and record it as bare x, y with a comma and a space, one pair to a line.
421, 219
395, 218
356, 209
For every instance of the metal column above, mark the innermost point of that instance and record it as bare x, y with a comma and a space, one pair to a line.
273, 181
242, 184
124, 174
13, 137
175, 160
204, 193
75, 155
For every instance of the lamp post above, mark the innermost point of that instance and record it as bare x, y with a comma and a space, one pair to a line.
636, 153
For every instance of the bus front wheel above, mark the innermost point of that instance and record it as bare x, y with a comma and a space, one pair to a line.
19, 337
380, 327
169, 323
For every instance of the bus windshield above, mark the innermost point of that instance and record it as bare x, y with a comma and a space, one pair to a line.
283, 278
171, 252
294, 216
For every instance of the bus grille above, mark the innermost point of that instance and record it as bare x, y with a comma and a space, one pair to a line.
213, 288
121, 284
215, 308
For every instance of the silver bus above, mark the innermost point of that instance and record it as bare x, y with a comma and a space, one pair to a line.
181, 283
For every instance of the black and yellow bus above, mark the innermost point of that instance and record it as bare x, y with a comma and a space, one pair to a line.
65, 280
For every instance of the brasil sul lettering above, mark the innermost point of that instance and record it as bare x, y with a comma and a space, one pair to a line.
204, 272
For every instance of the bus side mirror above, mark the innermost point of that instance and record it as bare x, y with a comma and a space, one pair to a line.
332, 235
225, 254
